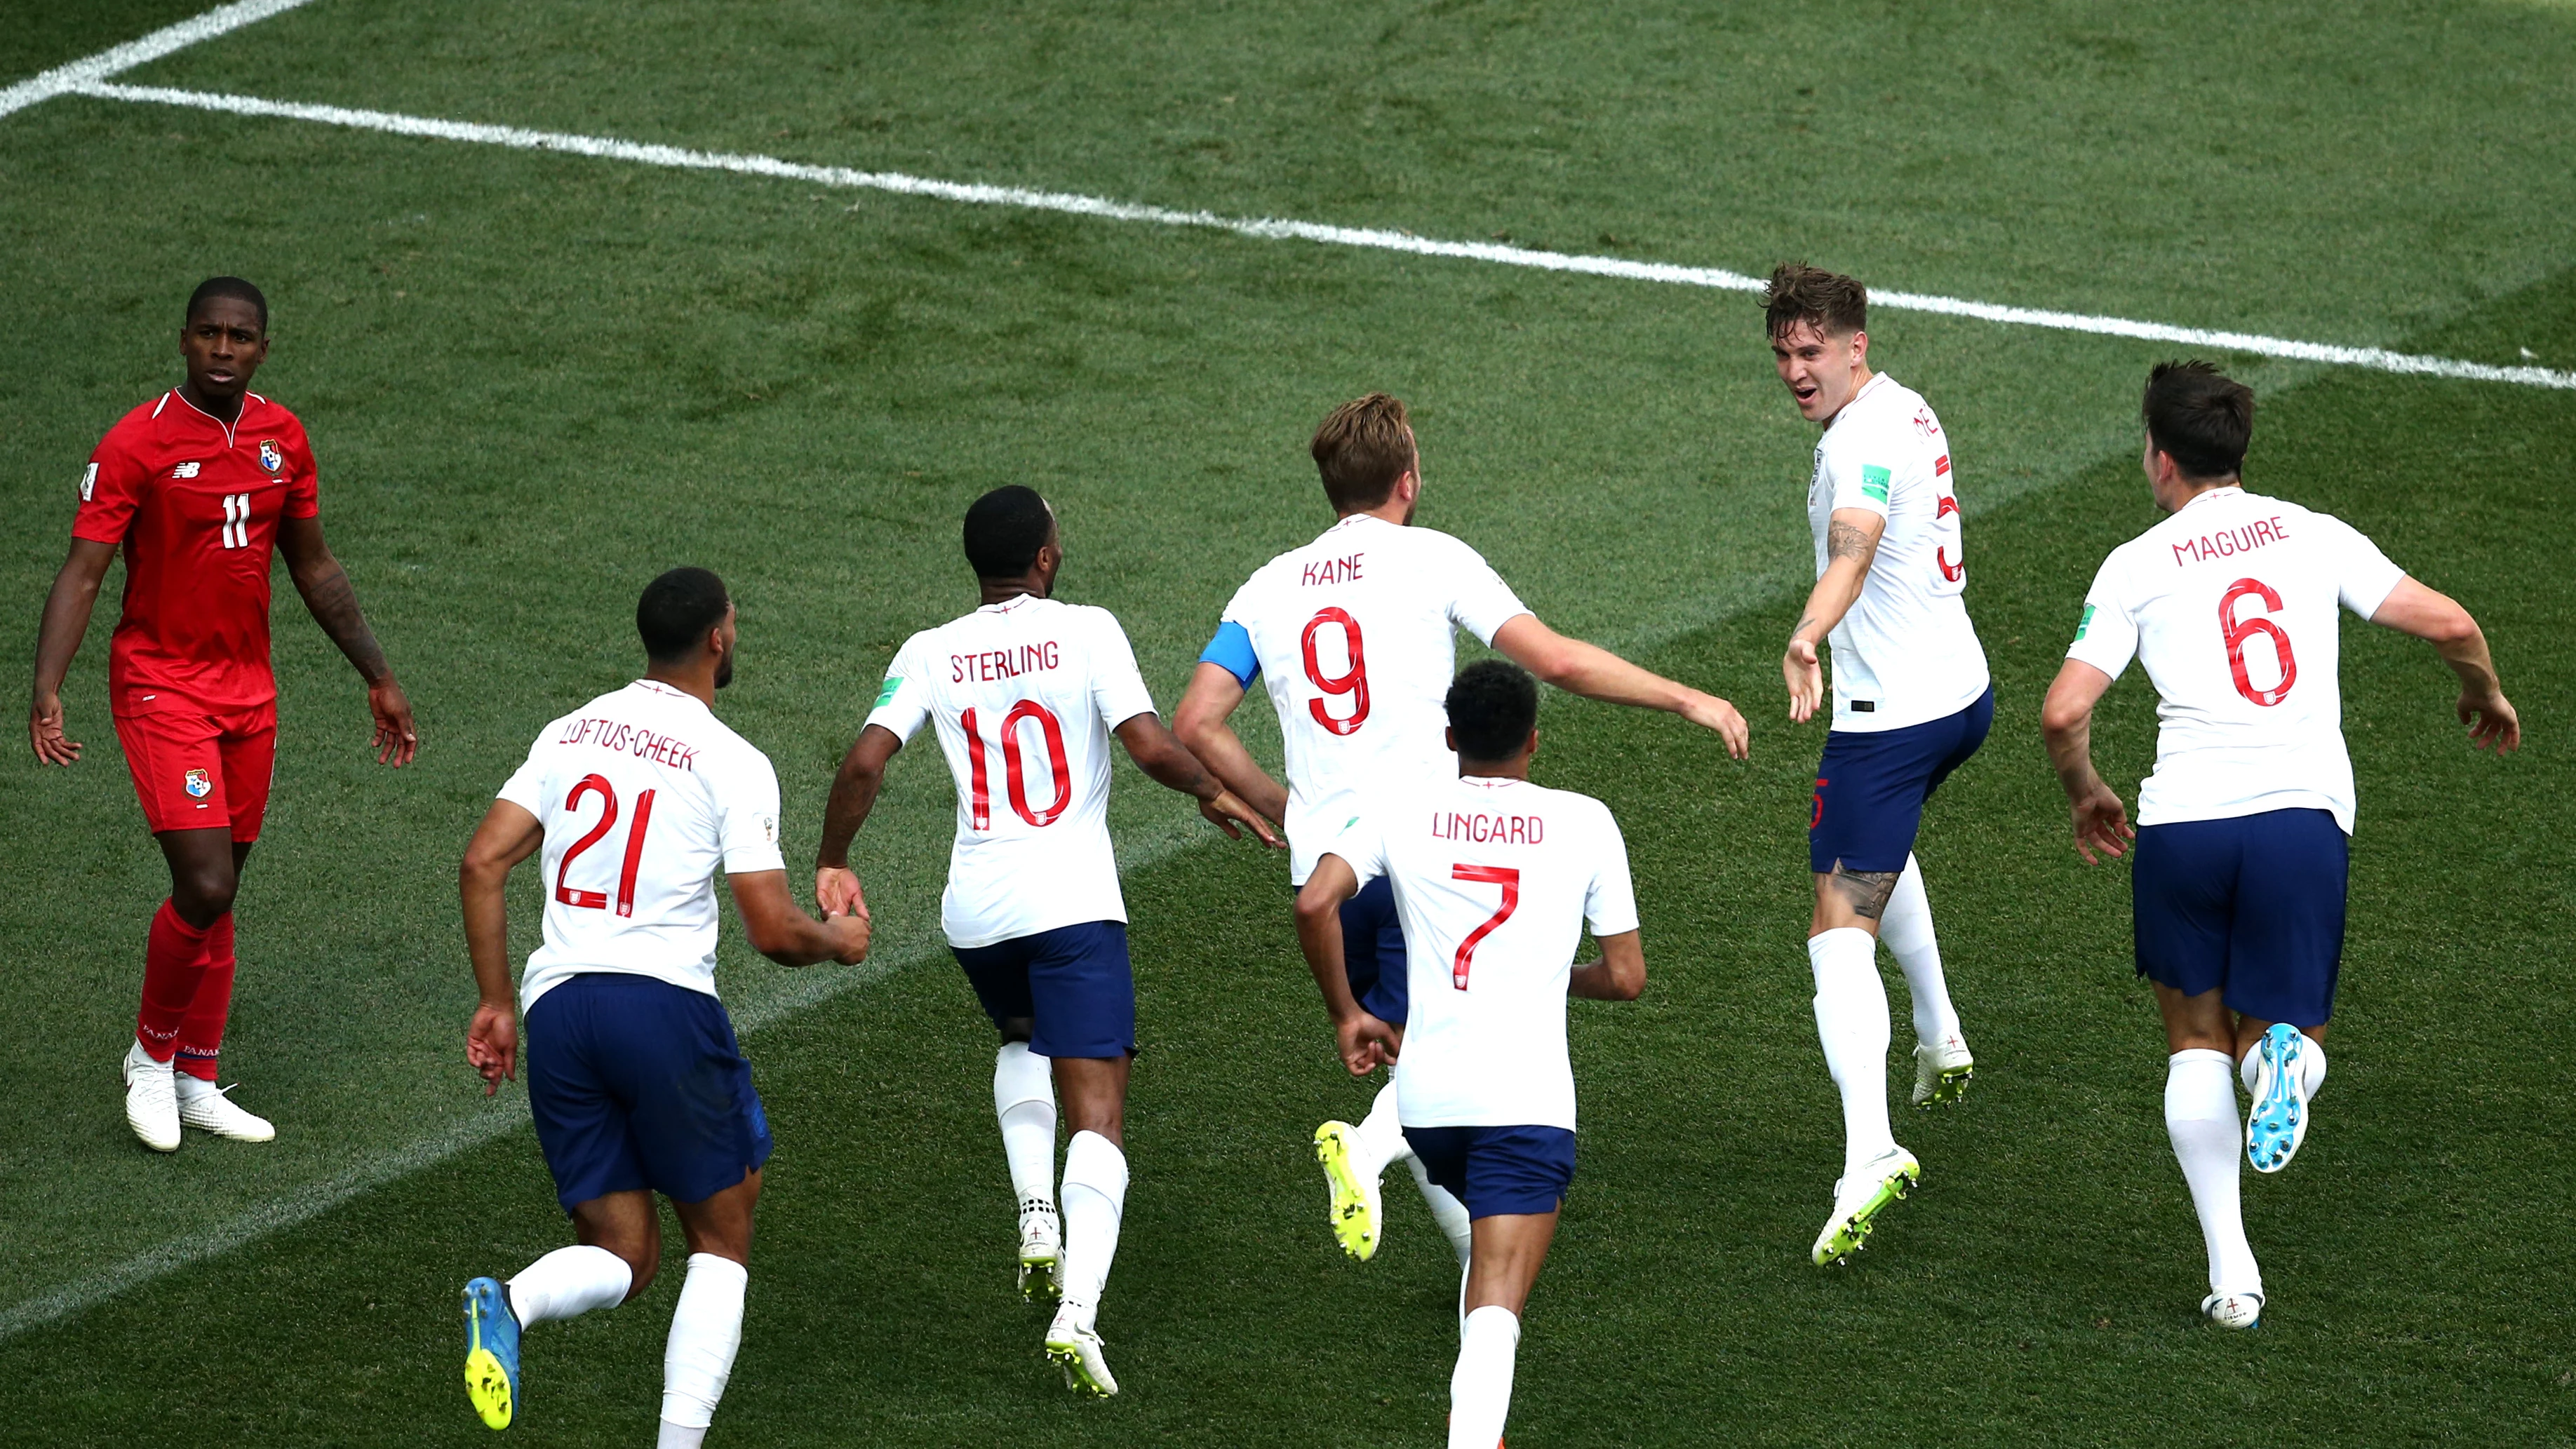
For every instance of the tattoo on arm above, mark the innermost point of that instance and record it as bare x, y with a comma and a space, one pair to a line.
1865, 891
334, 603
1842, 540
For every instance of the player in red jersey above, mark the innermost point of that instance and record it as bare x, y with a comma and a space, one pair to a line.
199, 487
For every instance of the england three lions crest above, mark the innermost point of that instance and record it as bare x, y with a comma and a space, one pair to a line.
271, 456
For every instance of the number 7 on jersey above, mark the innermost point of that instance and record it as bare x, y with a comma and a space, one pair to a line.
1509, 878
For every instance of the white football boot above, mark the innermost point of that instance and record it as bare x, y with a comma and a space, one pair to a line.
2278, 1121
207, 1108
1942, 1072
1076, 1350
1858, 1197
151, 1101
1041, 1252
2233, 1310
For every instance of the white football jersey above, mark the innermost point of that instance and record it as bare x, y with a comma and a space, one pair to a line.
2231, 604
1906, 652
644, 793
1024, 693
1494, 880
1354, 637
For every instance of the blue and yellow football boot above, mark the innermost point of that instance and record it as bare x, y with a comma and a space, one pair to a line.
491, 1352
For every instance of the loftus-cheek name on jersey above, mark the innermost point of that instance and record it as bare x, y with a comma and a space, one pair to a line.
2228, 542
1002, 663
626, 739
1332, 571
1485, 829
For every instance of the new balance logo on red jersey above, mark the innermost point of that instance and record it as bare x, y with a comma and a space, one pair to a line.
236, 518
186, 470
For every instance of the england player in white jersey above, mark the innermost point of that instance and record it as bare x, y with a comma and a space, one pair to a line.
1494, 879
1025, 694
1355, 636
638, 799
2243, 837
1911, 702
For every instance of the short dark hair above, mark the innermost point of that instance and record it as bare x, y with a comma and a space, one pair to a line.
676, 612
1827, 301
1361, 448
232, 287
1005, 529
1493, 706
2201, 416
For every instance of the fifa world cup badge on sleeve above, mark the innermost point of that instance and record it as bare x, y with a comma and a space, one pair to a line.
1873, 483
197, 785
271, 456
886, 695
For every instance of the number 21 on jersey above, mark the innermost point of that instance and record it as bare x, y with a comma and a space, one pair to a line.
607, 793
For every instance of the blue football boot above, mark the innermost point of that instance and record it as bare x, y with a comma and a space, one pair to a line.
491, 1352
2279, 1120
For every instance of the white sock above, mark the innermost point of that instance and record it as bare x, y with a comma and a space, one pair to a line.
568, 1282
1851, 1021
2200, 1115
1095, 1195
679, 1436
1024, 1101
1906, 927
1381, 1133
1480, 1388
706, 1329
1446, 1210
2312, 1065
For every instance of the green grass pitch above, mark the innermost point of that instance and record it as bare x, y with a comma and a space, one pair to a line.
534, 380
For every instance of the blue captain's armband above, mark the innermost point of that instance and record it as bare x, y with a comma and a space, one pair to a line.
1231, 651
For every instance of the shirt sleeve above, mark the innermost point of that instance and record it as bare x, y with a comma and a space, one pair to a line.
110, 489
1117, 690
1611, 903
526, 787
304, 485
1362, 843
1862, 474
2364, 578
903, 702
1231, 651
746, 800
2106, 637
1483, 603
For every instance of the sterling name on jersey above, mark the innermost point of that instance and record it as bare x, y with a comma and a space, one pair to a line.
1024, 694
1493, 879
1906, 652
1353, 634
643, 793
2231, 604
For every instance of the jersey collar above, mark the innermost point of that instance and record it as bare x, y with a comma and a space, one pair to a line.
229, 428
1866, 389
1011, 604
2208, 494
1489, 782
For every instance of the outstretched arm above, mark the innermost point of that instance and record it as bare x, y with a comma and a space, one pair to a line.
1364, 1041
334, 605
2101, 821
854, 794
788, 936
2411, 608
1596, 673
58, 638
1201, 724
508, 835
1160, 755
1851, 545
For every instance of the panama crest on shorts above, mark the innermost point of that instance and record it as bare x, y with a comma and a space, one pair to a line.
196, 783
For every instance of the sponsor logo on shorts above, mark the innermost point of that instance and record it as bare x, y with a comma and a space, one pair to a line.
186, 470
271, 456
886, 695
89, 481
2084, 623
1873, 483
197, 785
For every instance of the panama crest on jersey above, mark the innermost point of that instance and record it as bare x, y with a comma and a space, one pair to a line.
197, 785
271, 456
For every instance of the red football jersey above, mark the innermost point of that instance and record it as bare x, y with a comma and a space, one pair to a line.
196, 505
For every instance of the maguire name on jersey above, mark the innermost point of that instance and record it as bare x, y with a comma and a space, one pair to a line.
643, 793
2231, 604
1354, 635
1024, 694
1494, 880
1905, 653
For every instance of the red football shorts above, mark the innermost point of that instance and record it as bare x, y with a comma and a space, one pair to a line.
201, 772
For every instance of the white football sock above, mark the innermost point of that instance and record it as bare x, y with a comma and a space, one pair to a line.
1381, 1133
1906, 927
568, 1282
2200, 1115
1024, 1101
1095, 1195
706, 1330
1851, 1021
1446, 1210
2312, 1065
1480, 1388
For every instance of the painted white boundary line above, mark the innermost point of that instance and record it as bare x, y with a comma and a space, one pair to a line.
1273, 229
65, 78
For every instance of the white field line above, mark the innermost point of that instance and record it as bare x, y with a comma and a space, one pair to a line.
1274, 229
65, 78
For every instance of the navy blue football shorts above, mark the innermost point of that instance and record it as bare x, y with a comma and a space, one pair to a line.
1498, 1170
2254, 905
1072, 983
1871, 785
636, 1083
1373, 952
